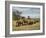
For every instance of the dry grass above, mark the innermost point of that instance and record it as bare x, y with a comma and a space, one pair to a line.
26, 27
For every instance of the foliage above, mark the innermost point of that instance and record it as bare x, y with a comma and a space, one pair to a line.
16, 14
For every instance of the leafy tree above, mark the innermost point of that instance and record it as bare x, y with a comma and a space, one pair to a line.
16, 14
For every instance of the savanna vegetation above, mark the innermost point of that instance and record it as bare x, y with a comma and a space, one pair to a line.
22, 23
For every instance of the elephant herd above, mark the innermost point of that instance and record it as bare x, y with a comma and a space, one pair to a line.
25, 22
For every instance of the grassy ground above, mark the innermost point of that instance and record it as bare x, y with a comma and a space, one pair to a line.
26, 27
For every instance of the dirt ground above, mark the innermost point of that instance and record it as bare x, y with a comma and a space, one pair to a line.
25, 27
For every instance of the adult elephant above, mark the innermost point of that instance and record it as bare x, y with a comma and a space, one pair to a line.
19, 23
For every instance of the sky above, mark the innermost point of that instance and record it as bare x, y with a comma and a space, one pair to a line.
28, 11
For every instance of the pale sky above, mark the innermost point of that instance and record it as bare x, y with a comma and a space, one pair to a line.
28, 11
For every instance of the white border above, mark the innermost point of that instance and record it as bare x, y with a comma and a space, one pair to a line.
32, 31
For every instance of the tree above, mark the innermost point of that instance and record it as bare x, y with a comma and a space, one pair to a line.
28, 17
16, 14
